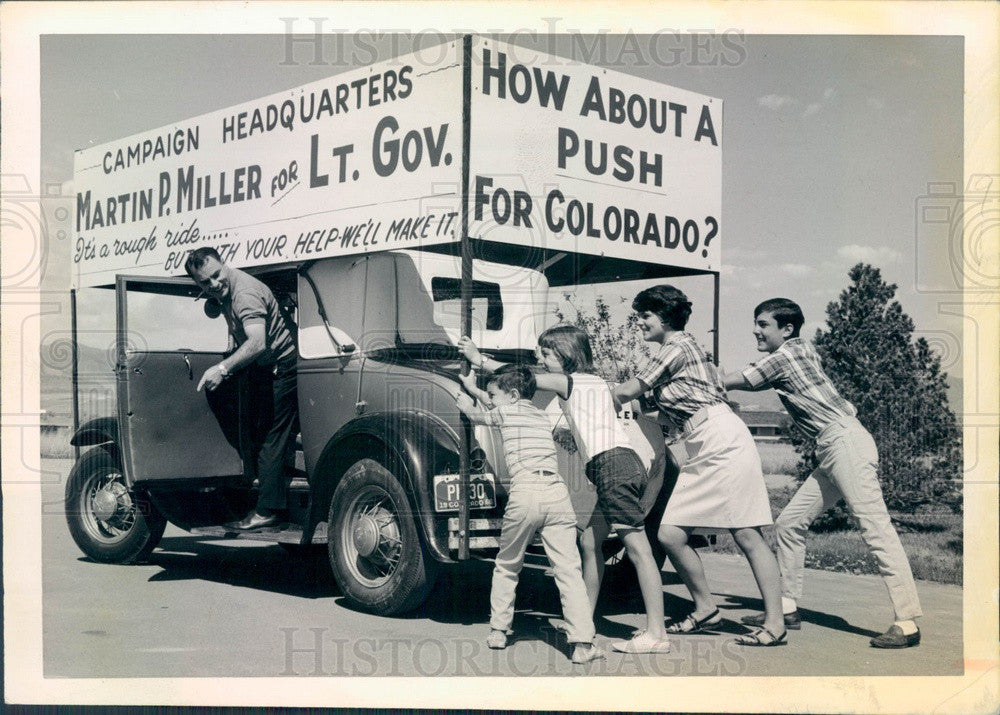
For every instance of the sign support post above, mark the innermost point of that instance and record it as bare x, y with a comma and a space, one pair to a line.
76, 369
465, 445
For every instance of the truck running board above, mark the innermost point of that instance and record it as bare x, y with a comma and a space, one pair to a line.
282, 533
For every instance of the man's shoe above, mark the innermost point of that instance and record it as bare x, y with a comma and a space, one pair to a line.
895, 638
793, 620
253, 521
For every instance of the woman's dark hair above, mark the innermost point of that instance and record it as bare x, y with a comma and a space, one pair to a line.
515, 377
665, 301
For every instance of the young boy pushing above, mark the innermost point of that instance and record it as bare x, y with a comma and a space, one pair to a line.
848, 465
538, 501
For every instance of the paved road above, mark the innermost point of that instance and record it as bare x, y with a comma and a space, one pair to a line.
235, 608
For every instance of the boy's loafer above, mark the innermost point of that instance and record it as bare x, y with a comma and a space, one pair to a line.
895, 638
793, 620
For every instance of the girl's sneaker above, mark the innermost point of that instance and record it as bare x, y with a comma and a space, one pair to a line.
497, 640
642, 642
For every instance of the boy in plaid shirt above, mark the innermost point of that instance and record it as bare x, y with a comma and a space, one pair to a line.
847, 467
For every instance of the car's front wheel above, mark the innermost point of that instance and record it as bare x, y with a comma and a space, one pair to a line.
374, 545
108, 521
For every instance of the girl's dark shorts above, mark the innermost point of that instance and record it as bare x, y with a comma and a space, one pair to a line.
620, 479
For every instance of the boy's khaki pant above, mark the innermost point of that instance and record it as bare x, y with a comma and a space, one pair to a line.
848, 469
540, 503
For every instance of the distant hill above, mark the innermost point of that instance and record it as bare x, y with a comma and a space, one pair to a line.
96, 381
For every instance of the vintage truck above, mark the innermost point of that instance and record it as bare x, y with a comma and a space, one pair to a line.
383, 270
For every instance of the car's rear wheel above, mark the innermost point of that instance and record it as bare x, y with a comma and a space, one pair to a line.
374, 544
108, 521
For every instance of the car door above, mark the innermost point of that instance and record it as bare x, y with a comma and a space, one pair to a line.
166, 341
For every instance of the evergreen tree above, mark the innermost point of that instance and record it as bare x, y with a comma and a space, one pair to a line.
900, 393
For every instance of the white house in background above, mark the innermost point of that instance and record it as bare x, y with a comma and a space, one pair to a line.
766, 425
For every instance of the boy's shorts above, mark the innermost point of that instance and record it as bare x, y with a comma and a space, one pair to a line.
620, 478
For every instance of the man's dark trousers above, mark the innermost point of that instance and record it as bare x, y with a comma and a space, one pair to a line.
277, 418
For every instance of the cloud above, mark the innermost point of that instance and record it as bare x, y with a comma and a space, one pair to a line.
876, 255
876, 103
829, 94
797, 270
776, 101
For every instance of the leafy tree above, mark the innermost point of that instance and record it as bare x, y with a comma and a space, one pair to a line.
618, 349
900, 393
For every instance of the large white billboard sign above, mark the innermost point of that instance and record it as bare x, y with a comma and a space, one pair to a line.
363, 161
564, 156
581, 159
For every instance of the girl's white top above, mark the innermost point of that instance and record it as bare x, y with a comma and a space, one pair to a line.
590, 411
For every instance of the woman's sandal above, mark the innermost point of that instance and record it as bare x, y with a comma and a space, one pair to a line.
695, 625
763, 638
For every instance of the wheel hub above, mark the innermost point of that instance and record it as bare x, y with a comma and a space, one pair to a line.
366, 535
105, 504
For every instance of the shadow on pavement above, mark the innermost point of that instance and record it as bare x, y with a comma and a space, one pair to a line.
264, 567
461, 595
826, 620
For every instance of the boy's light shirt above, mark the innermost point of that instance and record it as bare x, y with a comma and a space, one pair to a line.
526, 435
795, 372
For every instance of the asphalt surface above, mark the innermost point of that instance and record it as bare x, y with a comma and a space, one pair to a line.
211, 608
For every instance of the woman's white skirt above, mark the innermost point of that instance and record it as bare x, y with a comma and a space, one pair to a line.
722, 485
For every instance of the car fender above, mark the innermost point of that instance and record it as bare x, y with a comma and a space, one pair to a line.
416, 444
101, 431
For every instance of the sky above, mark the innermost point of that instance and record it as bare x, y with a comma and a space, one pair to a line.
831, 145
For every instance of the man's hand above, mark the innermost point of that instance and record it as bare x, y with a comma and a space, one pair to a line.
212, 378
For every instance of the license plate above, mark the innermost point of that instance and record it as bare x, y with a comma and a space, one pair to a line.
482, 492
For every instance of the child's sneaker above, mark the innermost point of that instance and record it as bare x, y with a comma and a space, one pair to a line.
642, 642
497, 640
586, 652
